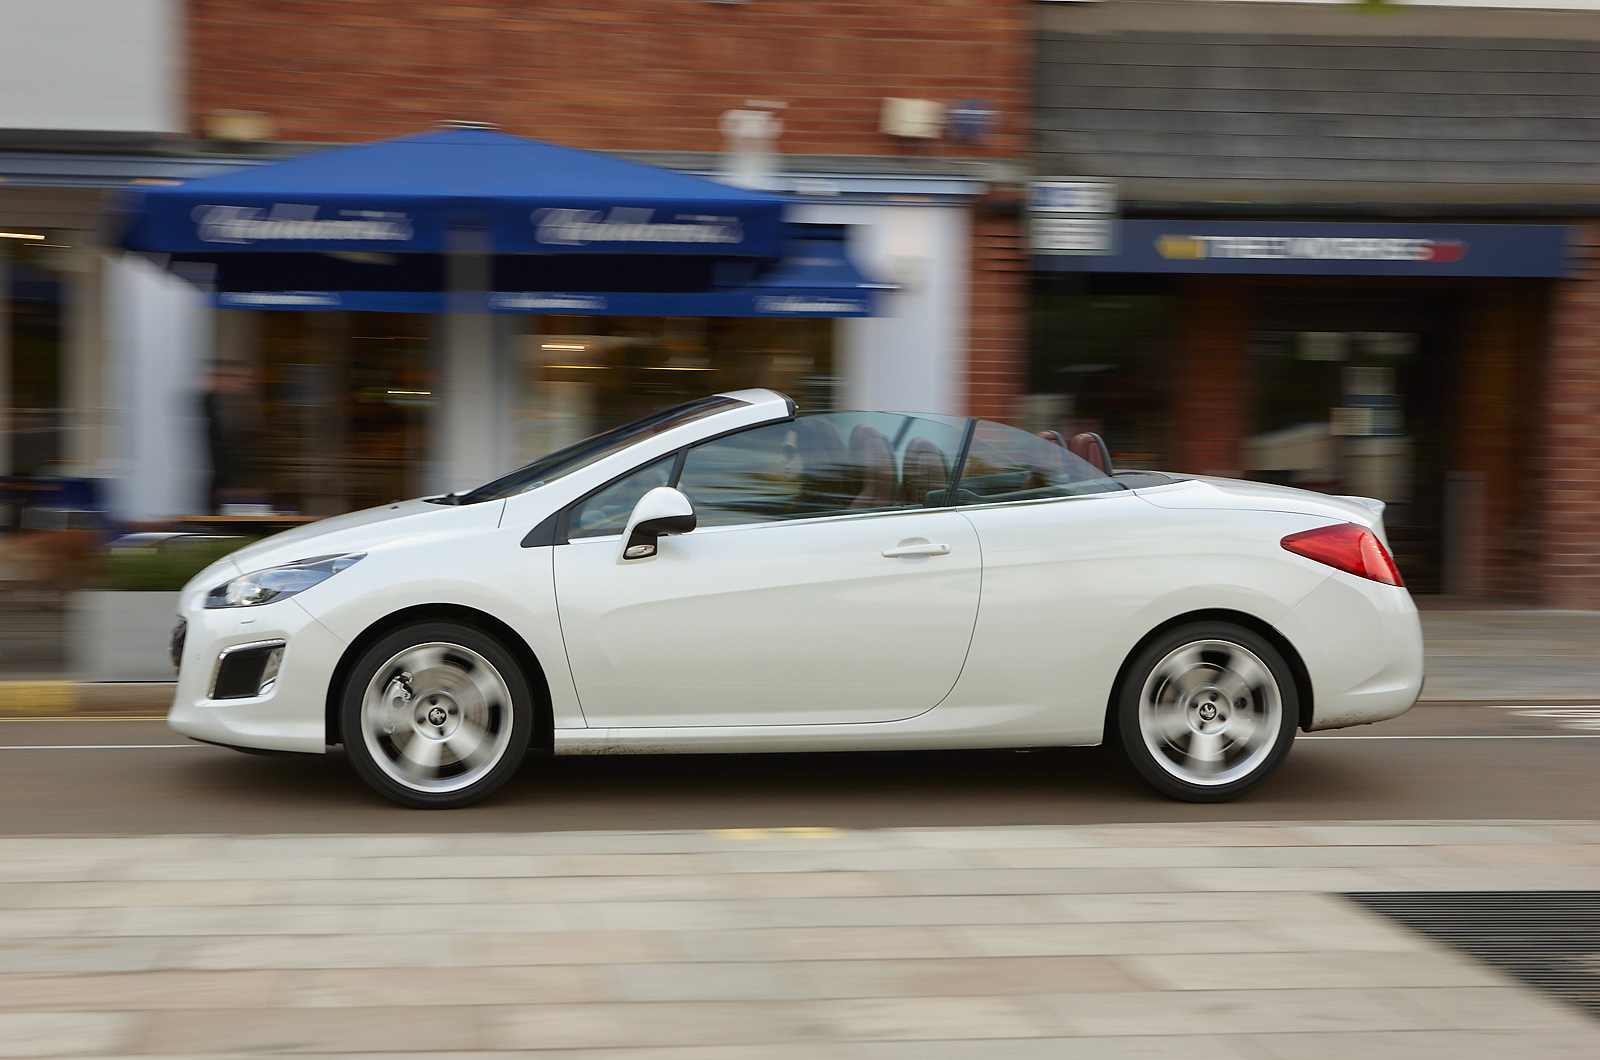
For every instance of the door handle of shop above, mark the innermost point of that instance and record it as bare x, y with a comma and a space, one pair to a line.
916, 550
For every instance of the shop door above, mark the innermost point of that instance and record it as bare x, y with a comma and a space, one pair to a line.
1352, 397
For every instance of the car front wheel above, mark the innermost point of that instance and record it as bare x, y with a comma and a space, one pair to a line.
1207, 712
436, 715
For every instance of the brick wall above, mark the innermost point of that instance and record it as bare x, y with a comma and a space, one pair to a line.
997, 344
1569, 553
1491, 504
613, 75
1213, 387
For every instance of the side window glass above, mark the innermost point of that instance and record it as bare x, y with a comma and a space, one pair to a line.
607, 511
830, 464
1007, 464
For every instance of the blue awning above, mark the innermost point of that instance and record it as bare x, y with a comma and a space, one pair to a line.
407, 195
814, 278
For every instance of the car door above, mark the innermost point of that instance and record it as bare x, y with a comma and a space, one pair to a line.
1070, 555
818, 588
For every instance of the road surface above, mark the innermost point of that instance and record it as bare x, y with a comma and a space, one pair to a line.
1439, 762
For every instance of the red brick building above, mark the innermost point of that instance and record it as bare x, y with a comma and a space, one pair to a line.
650, 79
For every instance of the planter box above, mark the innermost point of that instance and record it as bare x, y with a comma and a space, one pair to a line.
122, 636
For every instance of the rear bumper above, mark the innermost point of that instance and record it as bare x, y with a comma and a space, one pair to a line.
291, 715
1361, 643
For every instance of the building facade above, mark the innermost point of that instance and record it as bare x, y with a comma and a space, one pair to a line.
1353, 252
908, 123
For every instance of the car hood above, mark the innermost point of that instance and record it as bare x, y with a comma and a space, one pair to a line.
1208, 492
356, 532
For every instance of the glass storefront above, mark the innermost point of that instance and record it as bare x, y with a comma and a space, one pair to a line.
1342, 409
581, 375
328, 412
1099, 363
347, 396
1350, 389
36, 307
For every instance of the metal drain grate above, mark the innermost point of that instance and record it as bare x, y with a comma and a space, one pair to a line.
1548, 939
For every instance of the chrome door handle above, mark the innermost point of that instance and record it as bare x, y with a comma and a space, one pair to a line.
916, 550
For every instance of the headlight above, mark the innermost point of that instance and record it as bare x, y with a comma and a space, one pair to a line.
275, 583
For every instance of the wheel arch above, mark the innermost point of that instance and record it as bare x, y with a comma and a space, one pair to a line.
510, 639
1273, 636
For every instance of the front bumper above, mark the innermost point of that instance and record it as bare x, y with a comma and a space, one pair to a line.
291, 716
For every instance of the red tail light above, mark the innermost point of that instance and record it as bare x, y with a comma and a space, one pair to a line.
1347, 547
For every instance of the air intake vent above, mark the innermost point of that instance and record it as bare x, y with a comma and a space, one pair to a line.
247, 670
1548, 939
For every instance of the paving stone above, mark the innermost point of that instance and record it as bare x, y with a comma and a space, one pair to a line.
1204, 937
89, 894
1217, 941
59, 954
1570, 1044
49, 1034
653, 1024
1299, 971
340, 1030
1496, 878
1494, 1008
1419, 835
1191, 1047
965, 977
145, 989
1263, 1009
706, 981
1221, 857
844, 884
1541, 855
1002, 881
859, 942
1242, 905
939, 1018
1321, 878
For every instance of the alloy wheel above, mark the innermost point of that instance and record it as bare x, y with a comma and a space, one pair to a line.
436, 717
1210, 712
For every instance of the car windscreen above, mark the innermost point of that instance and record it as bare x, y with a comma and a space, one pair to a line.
581, 454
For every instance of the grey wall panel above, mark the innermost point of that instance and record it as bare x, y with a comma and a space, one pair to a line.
1189, 101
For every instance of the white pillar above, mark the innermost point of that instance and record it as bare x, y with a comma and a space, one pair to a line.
158, 338
87, 445
910, 358
472, 423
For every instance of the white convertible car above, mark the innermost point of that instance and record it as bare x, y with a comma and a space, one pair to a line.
730, 576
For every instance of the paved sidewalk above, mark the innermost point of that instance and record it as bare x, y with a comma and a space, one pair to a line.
1201, 942
1512, 655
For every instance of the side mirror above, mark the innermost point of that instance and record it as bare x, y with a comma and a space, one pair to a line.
660, 512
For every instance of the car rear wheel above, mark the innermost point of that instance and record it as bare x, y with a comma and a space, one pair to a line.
1207, 712
436, 715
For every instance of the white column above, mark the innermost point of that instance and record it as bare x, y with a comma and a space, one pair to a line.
910, 358
87, 445
158, 339
472, 422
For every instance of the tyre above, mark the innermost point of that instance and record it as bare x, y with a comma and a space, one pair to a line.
436, 715
1206, 712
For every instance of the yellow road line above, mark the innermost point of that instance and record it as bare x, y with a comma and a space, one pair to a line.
38, 697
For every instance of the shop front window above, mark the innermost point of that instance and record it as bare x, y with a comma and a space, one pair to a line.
583, 375
342, 403
35, 317
1099, 362
320, 413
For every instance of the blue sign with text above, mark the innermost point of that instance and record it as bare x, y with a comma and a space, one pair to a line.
1325, 249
